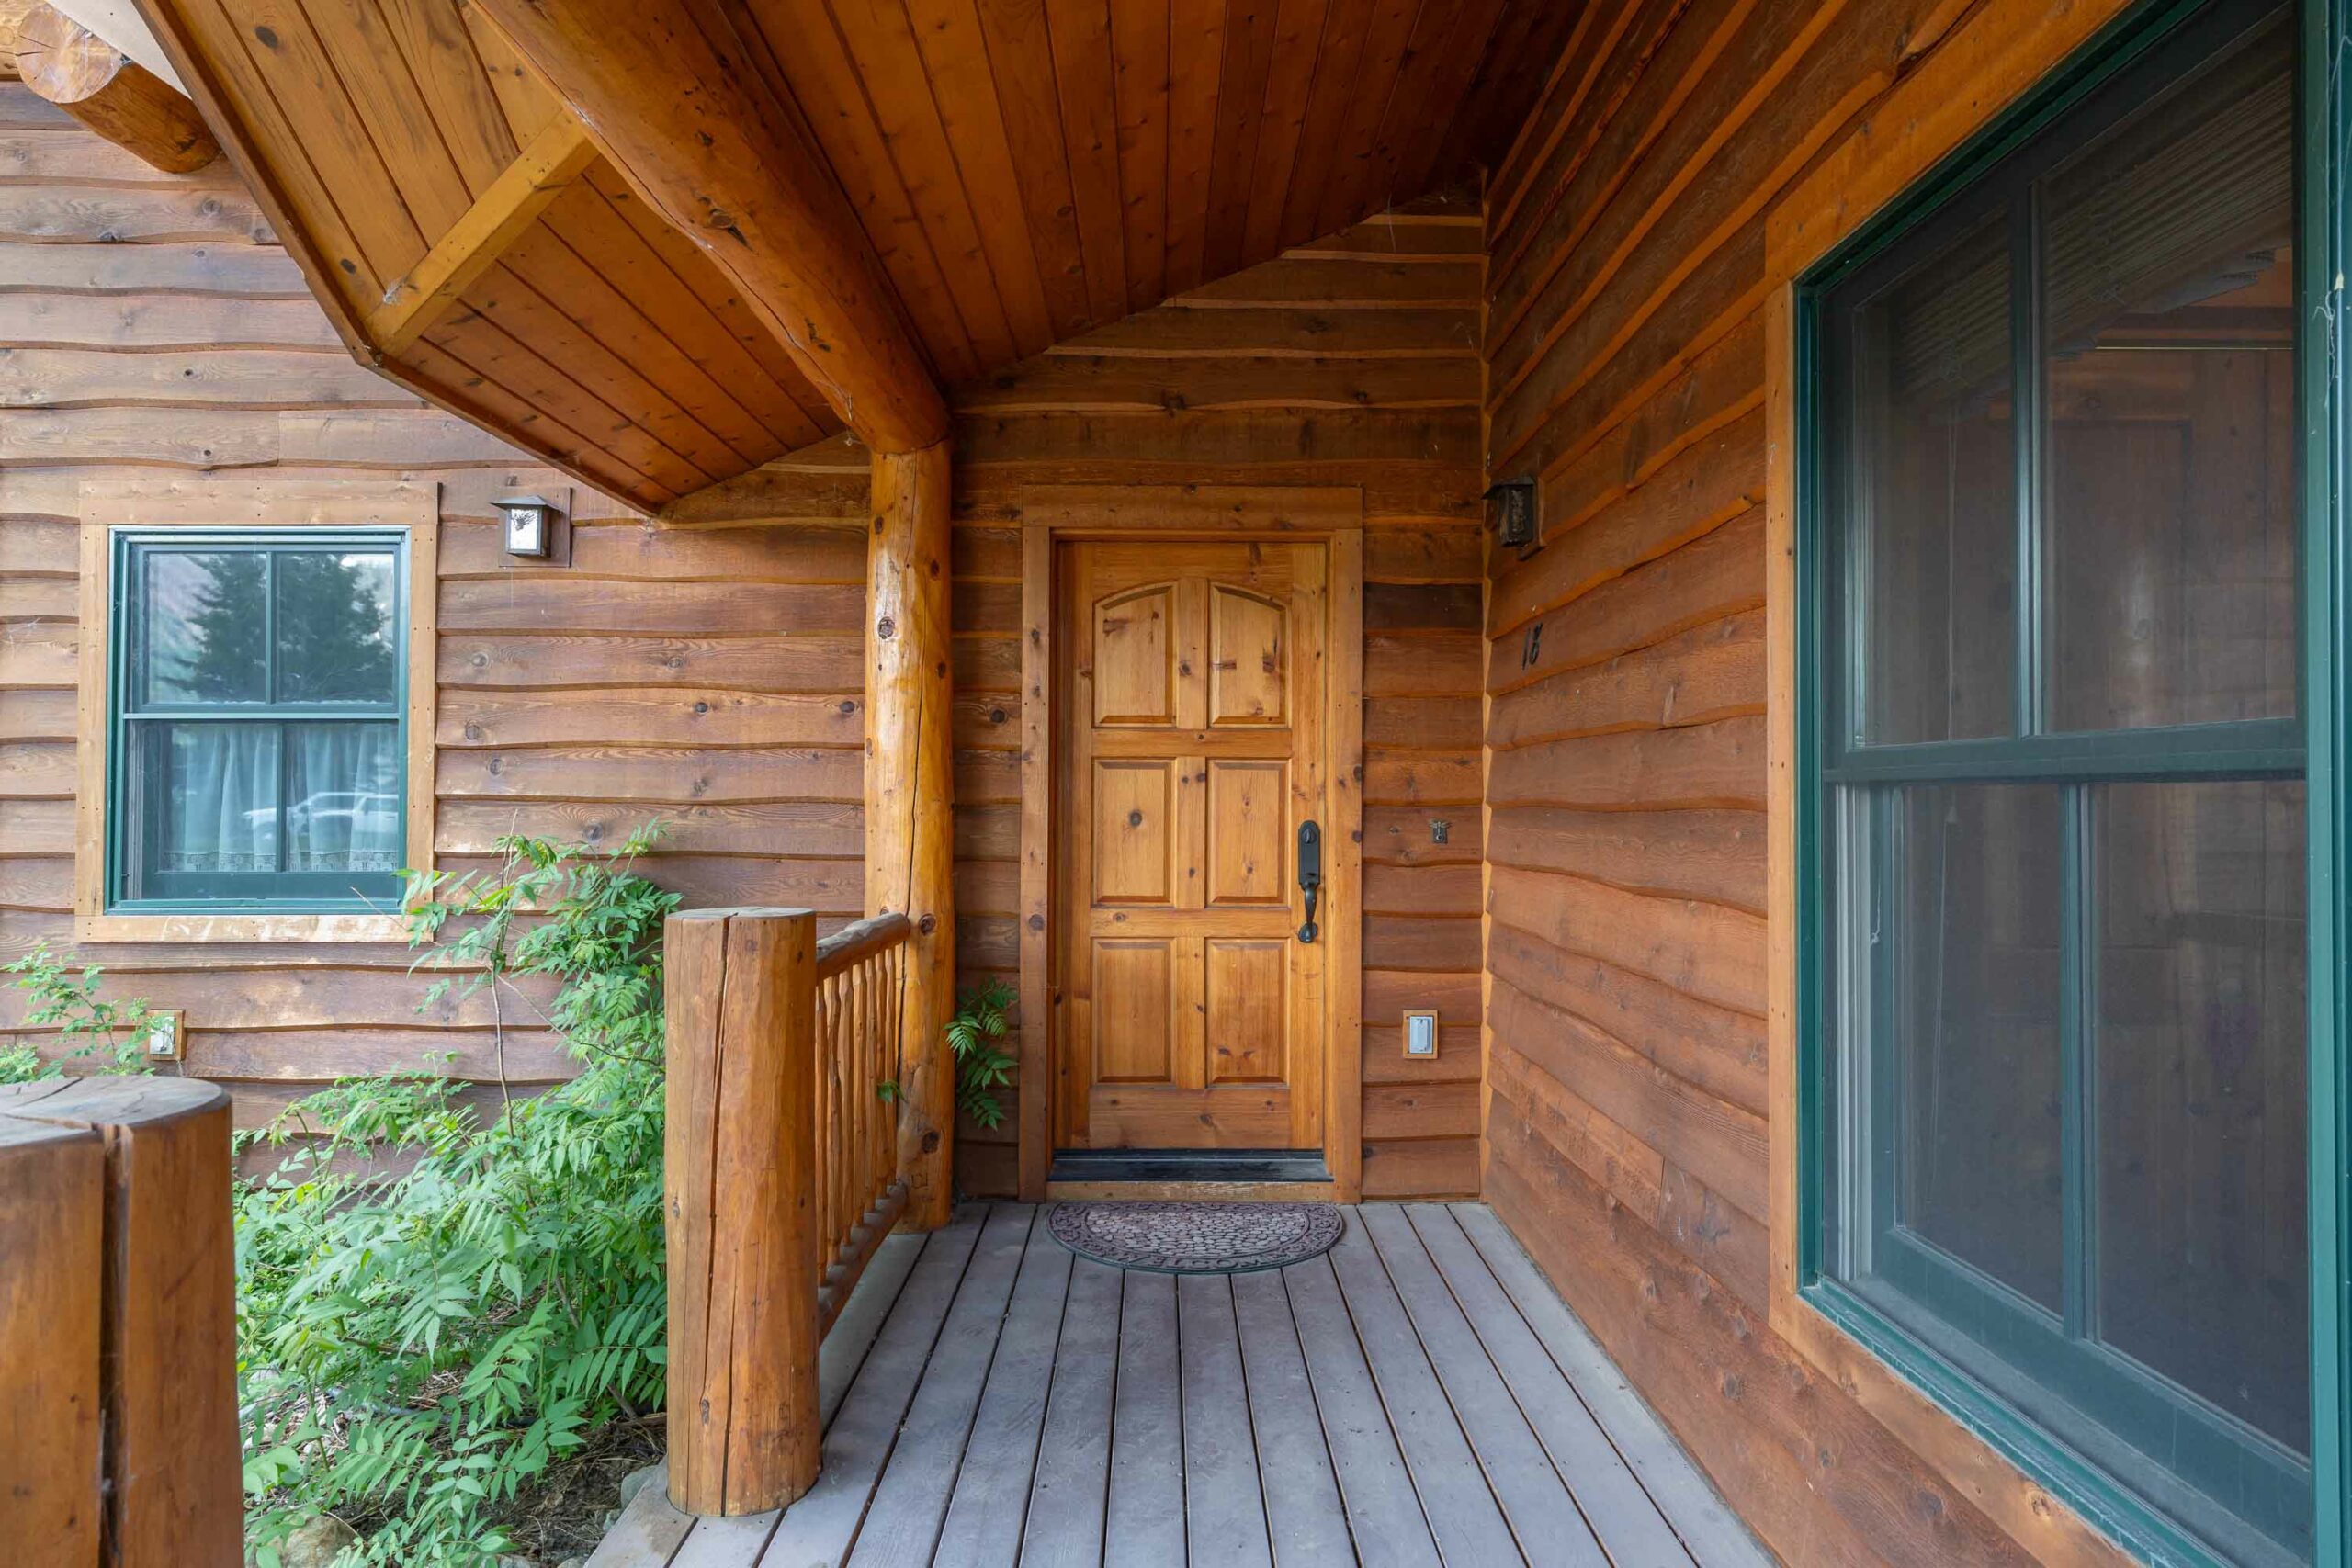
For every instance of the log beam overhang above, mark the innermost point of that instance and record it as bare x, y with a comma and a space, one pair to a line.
111, 95
681, 116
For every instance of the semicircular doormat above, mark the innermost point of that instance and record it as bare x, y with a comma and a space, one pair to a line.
1197, 1239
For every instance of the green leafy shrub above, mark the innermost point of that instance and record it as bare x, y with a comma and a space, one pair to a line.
87, 1024
412, 1348
981, 1067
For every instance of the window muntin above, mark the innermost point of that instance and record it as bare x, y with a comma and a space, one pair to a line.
2060, 984
260, 748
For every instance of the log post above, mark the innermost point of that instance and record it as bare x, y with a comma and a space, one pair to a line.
52, 1207
158, 1295
910, 801
739, 1193
109, 92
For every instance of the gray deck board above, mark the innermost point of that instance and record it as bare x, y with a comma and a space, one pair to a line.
1304, 1517
1623, 1515
1067, 1494
990, 1503
1225, 1504
910, 1501
1383, 1506
820, 1527
1145, 1515
1419, 1397
1706, 1524
1461, 1508
1535, 1500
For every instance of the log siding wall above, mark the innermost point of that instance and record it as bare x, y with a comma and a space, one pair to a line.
151, 327
1630, 1120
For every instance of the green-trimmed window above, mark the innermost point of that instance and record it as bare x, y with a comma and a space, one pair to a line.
2057, 968
258, 757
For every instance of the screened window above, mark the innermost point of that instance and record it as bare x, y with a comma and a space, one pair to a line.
2058, 980
258, 757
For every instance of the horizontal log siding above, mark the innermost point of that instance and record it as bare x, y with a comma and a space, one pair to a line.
1627, 964
712, 675
150, 326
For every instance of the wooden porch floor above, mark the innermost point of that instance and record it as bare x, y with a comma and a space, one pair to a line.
1419, 1396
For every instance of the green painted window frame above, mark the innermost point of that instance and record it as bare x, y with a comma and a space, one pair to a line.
2317, 746
123, 544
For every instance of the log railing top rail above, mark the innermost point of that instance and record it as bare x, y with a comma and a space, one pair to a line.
874, 934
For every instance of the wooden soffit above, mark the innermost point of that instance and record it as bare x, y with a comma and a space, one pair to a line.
1020, 172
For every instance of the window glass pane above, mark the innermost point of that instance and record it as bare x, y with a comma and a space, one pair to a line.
211, 798
1974, 906
337, 640
2200, 1089
342, 797
2168, 311
203, 624
1934, 488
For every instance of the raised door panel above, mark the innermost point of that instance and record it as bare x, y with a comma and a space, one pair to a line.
1246, 1006
1134, 832
1248, 657
1248, 831
1134, 1011
1133, 647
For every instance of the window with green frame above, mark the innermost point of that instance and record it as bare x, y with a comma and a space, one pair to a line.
2055, 988
258, 750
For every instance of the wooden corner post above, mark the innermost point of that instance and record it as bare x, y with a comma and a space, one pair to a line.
739, 1194
118, 1325
909, 800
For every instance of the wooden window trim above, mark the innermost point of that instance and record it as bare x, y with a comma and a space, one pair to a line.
1330, 513
1999, 53
211, 502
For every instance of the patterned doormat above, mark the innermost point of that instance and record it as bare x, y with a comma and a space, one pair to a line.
1197, 1239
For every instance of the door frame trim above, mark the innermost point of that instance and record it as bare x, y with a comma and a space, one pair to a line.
1332, 515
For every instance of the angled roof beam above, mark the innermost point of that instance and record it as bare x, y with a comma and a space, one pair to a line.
696, 134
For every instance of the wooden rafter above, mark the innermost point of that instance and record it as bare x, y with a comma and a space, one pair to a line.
558, 156
708, 147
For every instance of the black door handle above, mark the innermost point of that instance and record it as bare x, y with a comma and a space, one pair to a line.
1310, 873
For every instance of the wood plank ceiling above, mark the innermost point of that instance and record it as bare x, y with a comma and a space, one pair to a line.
1025, 170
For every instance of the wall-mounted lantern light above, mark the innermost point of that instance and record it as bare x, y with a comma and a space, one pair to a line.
530, 525
1514, 510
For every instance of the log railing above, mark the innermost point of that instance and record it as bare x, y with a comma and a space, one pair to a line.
781, 1180
861, 971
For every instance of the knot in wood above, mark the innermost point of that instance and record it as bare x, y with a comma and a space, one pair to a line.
886, 627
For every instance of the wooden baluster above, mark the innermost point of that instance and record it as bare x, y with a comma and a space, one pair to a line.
845, 1209
827, 1230
869, 1094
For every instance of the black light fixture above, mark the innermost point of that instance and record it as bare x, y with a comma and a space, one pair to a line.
1514, 510
530, 525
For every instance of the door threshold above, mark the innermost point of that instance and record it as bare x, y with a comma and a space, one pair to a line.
1202, 1175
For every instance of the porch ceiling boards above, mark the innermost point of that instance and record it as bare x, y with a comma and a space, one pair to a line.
1022, 171
465, 238
1419, 1396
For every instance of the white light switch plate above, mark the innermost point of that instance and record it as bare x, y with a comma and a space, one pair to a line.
1420, 1034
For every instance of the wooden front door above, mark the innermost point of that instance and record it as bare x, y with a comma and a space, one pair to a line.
1192, 740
